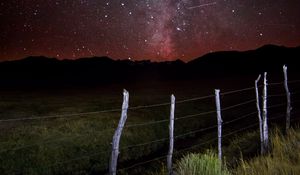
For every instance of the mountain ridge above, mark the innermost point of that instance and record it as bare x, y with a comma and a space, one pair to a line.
99, 70
264, 47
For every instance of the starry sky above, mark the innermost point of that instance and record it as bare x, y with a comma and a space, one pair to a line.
158, 30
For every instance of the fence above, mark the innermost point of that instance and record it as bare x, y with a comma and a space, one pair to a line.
219, 110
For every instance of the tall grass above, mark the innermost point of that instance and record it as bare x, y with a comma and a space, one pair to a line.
201, 164
242, 146
284, 158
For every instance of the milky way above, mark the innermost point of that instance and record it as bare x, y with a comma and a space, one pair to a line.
143, 29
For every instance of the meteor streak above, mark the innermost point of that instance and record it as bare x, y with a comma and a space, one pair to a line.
203, 5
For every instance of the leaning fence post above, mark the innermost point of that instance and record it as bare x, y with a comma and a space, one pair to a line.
265, 117
171, 130
218, 106
259, 116
288, 99
117, 135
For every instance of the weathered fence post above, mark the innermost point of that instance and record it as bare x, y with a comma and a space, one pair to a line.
259, 116
171, 130
117, 135
265, 116
218, 106
288, 99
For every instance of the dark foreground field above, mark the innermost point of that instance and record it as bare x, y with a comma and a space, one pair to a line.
69, 131
59, 116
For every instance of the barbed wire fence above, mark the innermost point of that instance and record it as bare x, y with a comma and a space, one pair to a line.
165, 140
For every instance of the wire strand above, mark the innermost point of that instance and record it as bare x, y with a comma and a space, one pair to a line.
194, 99
142, 163
166, 120
242, 117
293, 81
98, 112
52, 141
236, 91
276, 106
157, 158
237, 105
133, 108
168, 103
194, 146
146, 123
196, 131
213, 139
149, 123
275, 83
144, 144
194, 115
72, 160
149, 106
277, 95
59, 116
211, 127
239, 130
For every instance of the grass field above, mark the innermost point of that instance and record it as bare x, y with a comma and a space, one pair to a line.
81, 144
47, 145
282, 159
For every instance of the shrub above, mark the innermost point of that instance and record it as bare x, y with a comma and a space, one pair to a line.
201, 164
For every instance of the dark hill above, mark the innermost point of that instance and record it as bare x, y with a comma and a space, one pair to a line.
33, 71
267, 58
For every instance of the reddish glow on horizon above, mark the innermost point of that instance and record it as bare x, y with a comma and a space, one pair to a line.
148, 29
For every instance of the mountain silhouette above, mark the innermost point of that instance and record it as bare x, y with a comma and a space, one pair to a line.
103, 70
267, 58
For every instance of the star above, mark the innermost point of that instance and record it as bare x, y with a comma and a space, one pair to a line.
159, 30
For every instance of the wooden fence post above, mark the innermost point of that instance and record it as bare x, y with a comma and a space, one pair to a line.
265, 116
218, 106
288, 99
117, 135
171, 132
259, 116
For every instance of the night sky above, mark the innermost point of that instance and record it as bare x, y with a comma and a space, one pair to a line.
143, 29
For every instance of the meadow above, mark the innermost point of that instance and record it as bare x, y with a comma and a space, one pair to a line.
80, 144
283, 157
